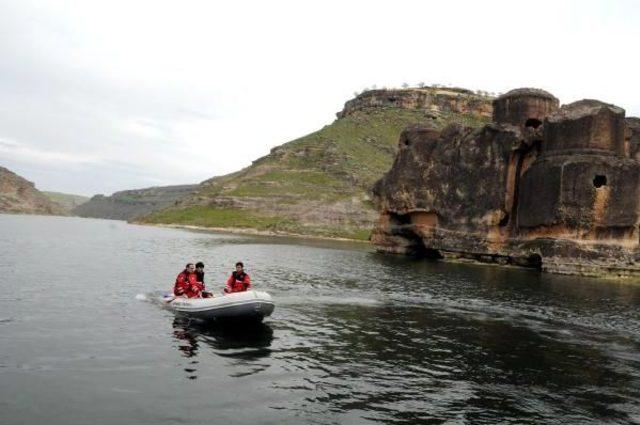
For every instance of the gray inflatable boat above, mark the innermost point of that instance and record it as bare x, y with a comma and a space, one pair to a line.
248, 305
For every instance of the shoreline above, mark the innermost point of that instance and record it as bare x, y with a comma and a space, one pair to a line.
250, 232
612, 276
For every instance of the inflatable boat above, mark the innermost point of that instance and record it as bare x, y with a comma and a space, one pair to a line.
248, 305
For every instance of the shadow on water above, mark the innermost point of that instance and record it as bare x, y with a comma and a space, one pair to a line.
243, 339
404, 361
248, 340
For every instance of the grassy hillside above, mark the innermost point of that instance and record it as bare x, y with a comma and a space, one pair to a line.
130, 204
66, 200
316, 185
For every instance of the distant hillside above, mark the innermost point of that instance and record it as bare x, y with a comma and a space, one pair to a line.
130, 204
67, 201
320, 184
18, 195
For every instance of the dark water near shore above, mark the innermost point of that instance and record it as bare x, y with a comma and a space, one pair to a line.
355, 338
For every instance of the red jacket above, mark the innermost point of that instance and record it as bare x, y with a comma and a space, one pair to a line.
238, 283
187, 284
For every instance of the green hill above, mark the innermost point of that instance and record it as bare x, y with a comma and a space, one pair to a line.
68, 201
131, 204
320, 184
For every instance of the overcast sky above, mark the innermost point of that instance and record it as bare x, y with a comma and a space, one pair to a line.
101, 96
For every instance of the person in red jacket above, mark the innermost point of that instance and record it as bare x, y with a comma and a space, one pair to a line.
238, 281
187, 283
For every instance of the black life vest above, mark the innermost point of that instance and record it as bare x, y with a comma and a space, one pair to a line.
239, 280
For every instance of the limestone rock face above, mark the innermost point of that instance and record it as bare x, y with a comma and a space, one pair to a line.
436, 100
524, 107
542, 186
438, 173
590, 186
18, 195
632, 139
586, 125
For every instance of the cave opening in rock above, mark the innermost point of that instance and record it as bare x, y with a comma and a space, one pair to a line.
418, 249
535, 261
401, 218
533, 123
504, 220
599, 181
431, 254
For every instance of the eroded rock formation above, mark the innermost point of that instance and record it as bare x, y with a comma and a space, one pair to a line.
433, 99
18, 195
543, 186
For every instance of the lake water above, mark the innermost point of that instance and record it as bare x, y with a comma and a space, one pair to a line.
356, 337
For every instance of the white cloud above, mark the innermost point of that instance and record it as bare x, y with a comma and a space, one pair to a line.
166, 92
14, 151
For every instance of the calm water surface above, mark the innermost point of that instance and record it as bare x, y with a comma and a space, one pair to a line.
356, 337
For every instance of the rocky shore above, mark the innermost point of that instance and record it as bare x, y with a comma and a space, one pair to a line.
543, 186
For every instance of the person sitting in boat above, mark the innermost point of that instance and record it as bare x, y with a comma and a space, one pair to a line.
200, 279
238, 281
187, 283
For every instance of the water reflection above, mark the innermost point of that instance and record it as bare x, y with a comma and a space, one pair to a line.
357, 338
401, 361
237, 340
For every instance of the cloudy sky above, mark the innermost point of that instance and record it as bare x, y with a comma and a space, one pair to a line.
100, 96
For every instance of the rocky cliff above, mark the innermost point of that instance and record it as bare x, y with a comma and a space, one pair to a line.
18, 195
429, 99
543, 186
321, 183
131, 204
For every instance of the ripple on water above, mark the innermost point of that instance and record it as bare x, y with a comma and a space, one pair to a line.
355, 337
